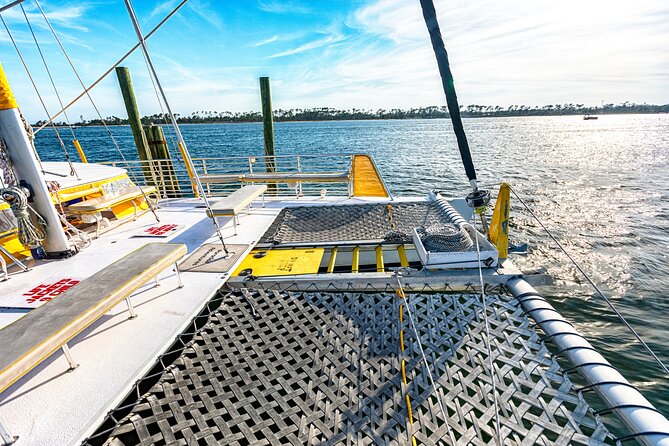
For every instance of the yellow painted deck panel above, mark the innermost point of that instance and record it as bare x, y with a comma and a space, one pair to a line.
283, 262
366, 179
10, 241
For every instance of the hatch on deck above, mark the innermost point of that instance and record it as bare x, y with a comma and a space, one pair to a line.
281, 262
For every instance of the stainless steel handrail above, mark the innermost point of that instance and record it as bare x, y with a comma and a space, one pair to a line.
169, 175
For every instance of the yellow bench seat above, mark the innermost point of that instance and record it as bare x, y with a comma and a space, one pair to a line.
105, 202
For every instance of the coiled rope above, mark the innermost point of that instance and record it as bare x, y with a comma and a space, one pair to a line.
445, 237
30, 234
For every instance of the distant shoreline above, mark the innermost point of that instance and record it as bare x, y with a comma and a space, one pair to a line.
433, 112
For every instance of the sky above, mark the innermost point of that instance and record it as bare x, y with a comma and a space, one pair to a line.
365, 54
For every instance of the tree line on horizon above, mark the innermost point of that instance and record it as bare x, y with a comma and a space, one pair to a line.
431, 112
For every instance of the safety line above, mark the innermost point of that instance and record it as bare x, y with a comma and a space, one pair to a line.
188, 160
601, 294
402, 295
109, 70
487, 337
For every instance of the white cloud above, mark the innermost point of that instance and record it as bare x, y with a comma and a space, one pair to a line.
525, 51
283, 7
318, 43
266, 41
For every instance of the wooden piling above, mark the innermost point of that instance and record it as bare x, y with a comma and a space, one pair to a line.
267, 123
134, 118
160, 154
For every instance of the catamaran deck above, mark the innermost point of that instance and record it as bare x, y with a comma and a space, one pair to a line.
114, 352
295, 360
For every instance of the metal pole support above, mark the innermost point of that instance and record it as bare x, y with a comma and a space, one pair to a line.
6, 438
131, 309
68, 356
176, 269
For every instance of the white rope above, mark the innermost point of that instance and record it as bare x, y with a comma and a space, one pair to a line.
29, 234
599, 292
85, 240
422, 352
488, 346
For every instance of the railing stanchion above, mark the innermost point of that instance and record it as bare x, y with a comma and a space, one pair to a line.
205, 171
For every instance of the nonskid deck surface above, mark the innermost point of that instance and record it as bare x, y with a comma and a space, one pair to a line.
278, 368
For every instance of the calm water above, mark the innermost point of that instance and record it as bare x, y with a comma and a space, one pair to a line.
601, 186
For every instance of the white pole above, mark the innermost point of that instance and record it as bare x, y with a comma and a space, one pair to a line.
26, 167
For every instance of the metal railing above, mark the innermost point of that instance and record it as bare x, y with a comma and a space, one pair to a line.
221, 176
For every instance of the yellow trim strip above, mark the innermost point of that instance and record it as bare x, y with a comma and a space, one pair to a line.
404, 371
380, 267
191, 175
402, 251
355, 263
7, 100
405, 381
333, 260
80, 151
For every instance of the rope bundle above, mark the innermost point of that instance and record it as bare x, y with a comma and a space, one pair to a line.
30, 235
445, 237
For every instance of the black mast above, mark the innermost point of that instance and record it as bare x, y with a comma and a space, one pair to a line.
430, 16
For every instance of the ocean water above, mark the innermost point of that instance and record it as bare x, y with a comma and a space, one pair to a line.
602, 187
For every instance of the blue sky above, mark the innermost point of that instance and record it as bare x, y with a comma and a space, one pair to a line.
349, 53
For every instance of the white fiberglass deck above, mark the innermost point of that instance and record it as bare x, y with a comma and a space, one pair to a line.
52, 406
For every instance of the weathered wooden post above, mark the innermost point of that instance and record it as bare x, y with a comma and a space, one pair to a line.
267, 123
135, 120
161, 154
268, 128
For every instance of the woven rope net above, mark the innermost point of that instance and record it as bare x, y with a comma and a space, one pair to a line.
279, 368
378, 221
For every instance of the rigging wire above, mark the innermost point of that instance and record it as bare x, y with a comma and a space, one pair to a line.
177, 131
488, 346
95, 107
427, 365
596, 288
73, 172
28, 128
162, 110
116, 64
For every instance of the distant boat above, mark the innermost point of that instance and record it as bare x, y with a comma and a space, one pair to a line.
589, 117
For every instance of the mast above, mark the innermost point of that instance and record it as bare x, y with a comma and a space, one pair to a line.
430, 16
13, 131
